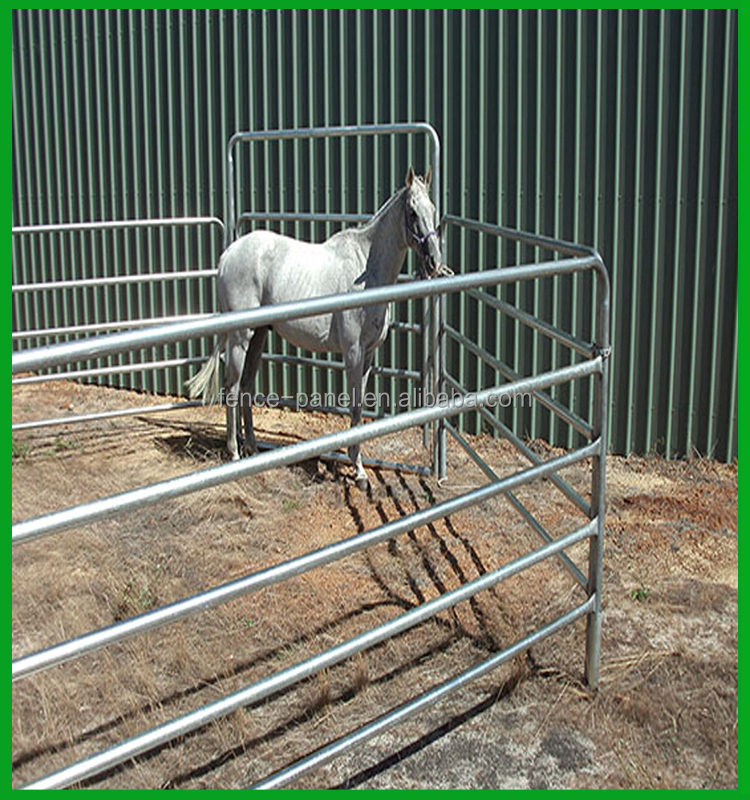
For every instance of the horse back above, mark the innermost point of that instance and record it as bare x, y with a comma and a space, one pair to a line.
266, 268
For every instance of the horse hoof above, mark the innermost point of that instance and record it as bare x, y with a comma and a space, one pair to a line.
363, 482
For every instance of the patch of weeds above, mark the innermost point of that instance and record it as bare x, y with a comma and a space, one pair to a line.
137, 599
62, 445
641, 594
20, 449
289, 505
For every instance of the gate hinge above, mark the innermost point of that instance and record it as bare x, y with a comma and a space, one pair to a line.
604, 352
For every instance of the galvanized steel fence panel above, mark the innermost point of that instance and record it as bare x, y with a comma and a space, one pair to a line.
614, 128
595, 365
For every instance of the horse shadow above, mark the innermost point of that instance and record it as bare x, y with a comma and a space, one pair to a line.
206, 442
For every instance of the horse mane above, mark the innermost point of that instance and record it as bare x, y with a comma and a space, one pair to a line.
419, 179
379, 214
394, 198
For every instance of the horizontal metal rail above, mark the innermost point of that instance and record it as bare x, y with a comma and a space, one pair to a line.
536, 526
284, 402
178, 406
299, 216
403, 712
74, 419
95, 373
545, 536
120, 412
292, 454
342, 131
523, 237
150, 277
557, 480
149, 621
265, 687
341, 411
553, 405
100, 327
106, 225
568, 340
117, 343
390, 372
113, 280
407, 327
373, 463
307, 361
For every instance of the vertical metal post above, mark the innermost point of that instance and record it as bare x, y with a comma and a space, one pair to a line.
436, 322
426, 362
440, 369
229, 232
434, 386
598, 481
437, 329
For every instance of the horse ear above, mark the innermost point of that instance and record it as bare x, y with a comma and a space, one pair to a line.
409, 177
428, 177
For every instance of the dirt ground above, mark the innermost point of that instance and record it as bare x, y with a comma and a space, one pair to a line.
665, 714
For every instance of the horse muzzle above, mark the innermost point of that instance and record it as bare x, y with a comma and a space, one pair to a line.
430, 268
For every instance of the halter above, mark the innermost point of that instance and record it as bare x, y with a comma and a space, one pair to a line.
420, 240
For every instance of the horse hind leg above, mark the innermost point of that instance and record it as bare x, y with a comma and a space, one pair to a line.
235, 362
249, 373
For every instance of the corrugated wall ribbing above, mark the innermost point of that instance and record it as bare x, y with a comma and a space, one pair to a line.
106, 125
617, 129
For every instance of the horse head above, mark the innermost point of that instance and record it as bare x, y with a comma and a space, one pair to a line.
422, 230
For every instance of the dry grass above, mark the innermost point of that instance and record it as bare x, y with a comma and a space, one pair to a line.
666, 714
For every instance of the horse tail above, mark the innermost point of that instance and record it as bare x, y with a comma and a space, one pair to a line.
205, 384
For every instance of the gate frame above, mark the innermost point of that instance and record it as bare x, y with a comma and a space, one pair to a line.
433, 310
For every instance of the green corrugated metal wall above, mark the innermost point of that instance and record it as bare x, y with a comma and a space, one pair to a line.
617, 129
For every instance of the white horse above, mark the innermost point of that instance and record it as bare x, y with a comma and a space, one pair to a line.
264, 268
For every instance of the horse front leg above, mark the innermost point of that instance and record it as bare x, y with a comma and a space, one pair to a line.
358, 372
